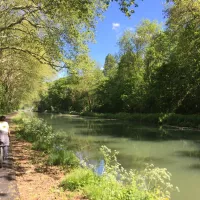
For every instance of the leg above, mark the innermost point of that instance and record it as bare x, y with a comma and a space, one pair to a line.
1, 156
6, 152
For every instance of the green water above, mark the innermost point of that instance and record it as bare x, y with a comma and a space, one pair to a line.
172, 148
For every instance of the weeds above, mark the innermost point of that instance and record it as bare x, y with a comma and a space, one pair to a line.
115, 183
118, 184
45, 139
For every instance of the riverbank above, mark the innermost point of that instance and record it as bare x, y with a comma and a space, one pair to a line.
171, 119
192, 121
35, 179
56, 148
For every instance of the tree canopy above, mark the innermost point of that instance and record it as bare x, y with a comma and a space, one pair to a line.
157, 69
36, 34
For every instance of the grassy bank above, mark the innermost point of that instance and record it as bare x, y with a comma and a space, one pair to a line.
45, 139
115, 183
30, 167
157, 118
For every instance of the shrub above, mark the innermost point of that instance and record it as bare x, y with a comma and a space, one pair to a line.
44, 138
118, 184
63, 157
79, 178
34, 129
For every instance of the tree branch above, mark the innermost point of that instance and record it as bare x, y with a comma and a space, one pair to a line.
12, 24
39, 58
20, 20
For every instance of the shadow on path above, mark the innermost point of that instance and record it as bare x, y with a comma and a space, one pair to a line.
8, 185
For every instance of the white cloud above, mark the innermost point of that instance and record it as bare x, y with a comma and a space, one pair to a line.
115, 26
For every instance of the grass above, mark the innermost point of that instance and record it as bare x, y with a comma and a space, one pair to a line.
45, 139
114, 184
118, 184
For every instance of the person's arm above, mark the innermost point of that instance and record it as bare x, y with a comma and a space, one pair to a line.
8, 130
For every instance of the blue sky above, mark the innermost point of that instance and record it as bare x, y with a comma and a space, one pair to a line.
115, 22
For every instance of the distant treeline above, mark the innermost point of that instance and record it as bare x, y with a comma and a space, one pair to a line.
155, 71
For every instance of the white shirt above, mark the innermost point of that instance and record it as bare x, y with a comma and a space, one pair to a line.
4, 127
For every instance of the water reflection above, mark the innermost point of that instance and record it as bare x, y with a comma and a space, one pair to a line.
96, 164
170, 147
91, 126
100, 167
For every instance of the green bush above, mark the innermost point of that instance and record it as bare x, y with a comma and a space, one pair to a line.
118, 184
44, 138
79, 178
63, 157
34, 129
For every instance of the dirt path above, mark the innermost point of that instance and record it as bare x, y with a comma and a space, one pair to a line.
8, 185
35, 180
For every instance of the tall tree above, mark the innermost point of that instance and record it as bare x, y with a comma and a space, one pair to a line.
183, 25
45, 32
57, 29
110, 65
22, 82
137, 41
132, 66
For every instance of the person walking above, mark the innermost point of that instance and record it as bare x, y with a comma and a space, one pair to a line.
4, 135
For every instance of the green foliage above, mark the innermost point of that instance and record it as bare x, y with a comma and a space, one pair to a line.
45, 139
155, 118
63, 157
118, 184
21, 84
155, 71
36, 130
110, 66
78, 178
126, 6
76, 92
140, 39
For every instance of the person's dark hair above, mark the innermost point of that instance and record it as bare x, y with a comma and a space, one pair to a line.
2, 118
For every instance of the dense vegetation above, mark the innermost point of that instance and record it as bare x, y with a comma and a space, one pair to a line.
115, 183
45, 139
40, 35
155, 71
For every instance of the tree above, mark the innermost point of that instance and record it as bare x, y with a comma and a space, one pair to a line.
172, 64
76, 91
132, 66
90, 77
57, 29
110, 65
46, 32
183, 25
22, 82
157, 53
138, 40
